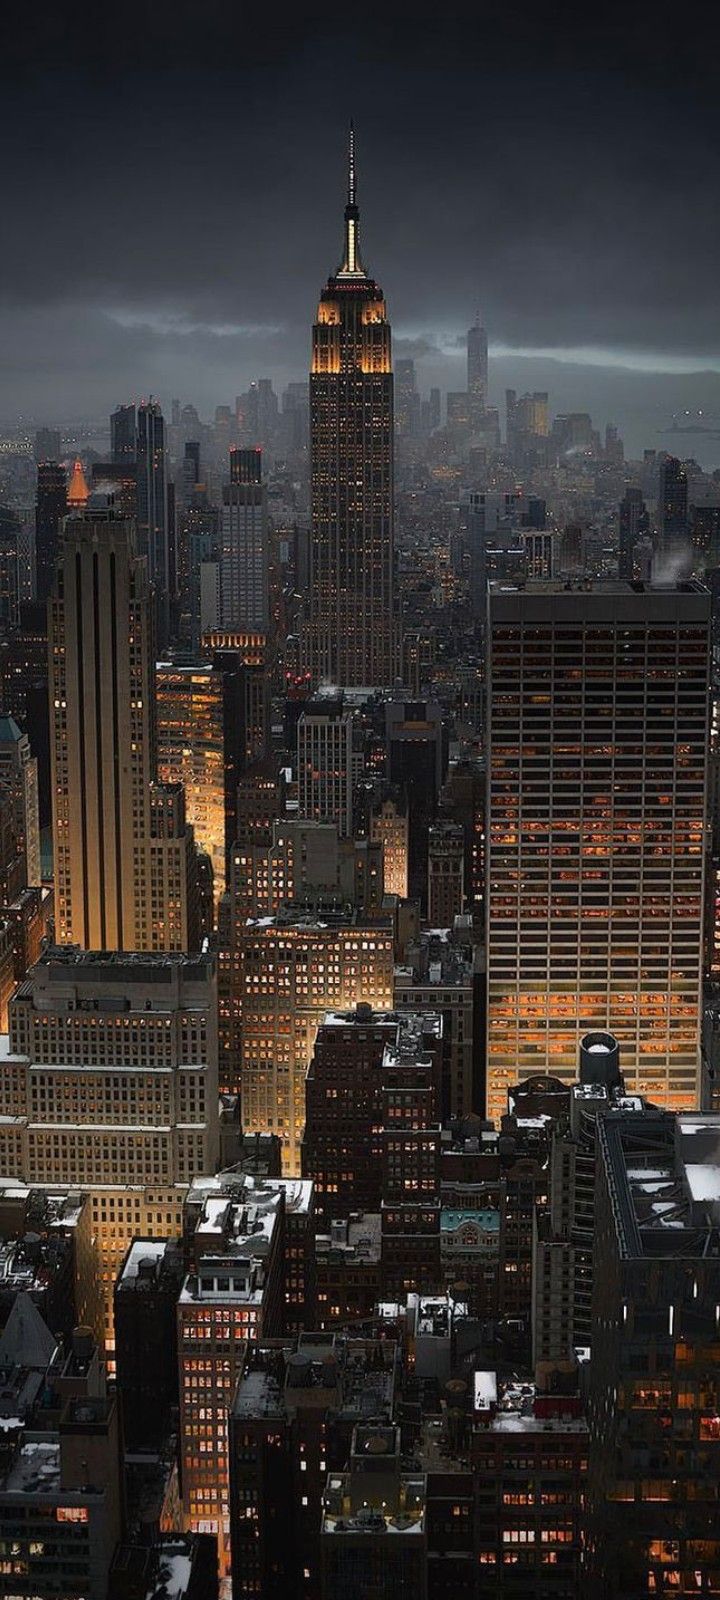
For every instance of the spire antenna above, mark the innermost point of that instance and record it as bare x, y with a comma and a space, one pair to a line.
351, 164
352, 266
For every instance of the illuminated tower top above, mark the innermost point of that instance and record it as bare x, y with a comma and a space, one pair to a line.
351, 266
351, 333
78, 493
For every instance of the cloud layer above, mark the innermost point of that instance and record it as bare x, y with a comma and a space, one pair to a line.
169, 216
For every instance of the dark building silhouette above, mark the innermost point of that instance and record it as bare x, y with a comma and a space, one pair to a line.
50, 508
654, 1406
122, 435
634, 522
146, 1294
672, 501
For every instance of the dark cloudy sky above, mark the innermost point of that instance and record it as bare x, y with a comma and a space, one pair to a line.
172, 190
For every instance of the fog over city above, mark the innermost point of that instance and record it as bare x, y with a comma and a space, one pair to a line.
168, 216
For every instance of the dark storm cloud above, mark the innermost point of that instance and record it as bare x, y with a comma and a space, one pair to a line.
169, 216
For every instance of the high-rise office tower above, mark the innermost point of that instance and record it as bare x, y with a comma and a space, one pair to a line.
325, 763
123, 854
369, 1067
245, 559
145, 1307
123, 442
634, 524
305, 863
564, 1232
528, 423
189, 475
437, 975
407, 399
191, 751
24, 690
50, 508
672, 501
9, 567
416, 744
152, 508
353, 631
446, 873
653, 1385
292, 968
389, 827
113, 1089
251, 1248
47, 445
19, 780
477, 369
597, 734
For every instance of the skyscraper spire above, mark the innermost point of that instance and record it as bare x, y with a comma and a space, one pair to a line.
351, 165
352, 266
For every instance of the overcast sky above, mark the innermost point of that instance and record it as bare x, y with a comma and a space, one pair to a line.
172, 192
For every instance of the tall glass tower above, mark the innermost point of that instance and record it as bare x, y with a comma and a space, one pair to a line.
352, 637
477, 370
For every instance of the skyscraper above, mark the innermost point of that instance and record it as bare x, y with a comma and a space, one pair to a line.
672, 500
19, 780
191, 714
152, 507
114, 1089
123, 443
245, 560
292, 969
352, 638
325, 763
477, 369
597, 732
634, 522
50, 508
123, 854
653, 1403
47, 445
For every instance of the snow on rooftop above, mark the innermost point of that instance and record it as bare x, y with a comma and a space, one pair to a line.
484, 1390
174, 1573
704, 1180
143, 1250
35, 1469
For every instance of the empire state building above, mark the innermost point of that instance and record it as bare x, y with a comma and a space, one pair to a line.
353, 635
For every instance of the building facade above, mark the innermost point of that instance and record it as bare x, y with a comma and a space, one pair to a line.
110, 1085
292, 968
352, 636
245, 549
597, 758
123, 854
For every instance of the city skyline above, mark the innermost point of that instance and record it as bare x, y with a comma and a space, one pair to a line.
359, 804
550, 190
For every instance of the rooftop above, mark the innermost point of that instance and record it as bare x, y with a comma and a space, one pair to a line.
664, 1174
355, 1239
302, 920
35, 1468
144, 1260
174, 1571
353, 1376
60, 962
342, 1516
238, 1186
